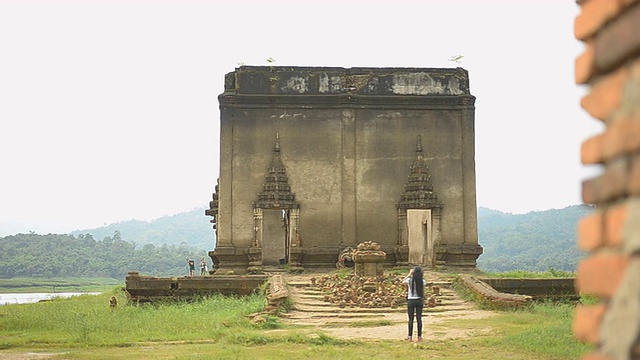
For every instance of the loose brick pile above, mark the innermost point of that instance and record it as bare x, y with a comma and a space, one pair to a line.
349, 291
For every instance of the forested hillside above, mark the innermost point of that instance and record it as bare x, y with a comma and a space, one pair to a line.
536, 241
53, 255
191, 228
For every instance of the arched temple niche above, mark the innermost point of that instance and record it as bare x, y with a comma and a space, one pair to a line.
276, 219
419, 217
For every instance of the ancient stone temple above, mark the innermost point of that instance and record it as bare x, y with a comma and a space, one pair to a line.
315, 160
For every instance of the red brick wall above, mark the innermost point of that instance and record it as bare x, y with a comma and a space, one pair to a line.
610, 66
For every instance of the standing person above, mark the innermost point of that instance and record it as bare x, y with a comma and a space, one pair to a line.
192, 266
415, 299
203, 267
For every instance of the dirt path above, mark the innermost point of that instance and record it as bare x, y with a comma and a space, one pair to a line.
381, 323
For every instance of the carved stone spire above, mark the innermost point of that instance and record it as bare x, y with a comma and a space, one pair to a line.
213, 205
276, 191
418, 190
419, 164
276, 161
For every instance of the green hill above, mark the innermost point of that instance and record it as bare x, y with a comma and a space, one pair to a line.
190, 228
53, 255
158, 248
536, 241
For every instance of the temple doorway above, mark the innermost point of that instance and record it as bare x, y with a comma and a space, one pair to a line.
275, 242
420, 237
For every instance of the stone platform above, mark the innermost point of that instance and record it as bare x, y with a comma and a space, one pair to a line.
141, 288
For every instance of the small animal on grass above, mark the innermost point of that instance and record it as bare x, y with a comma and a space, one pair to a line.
113, 302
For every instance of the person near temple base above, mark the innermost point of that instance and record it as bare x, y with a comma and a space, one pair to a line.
415, 300
203, 267
192, 266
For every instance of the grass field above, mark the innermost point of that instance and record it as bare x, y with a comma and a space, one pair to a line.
217, 328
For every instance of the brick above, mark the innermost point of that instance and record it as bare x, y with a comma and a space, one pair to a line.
586, 64
591, 151
606, 95
633, 179
591, 231
632, 131
614, 180
621, 137
586, 324
591, 190
611, 185
621, 324
593, 15
601, 274
619, 40
632, 91
631, 230
614, 224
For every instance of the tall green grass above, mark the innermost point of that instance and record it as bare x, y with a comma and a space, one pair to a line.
88, 321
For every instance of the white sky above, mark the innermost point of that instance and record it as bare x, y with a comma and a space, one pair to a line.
109, 112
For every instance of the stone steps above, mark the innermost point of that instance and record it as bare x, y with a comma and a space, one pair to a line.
318, 300
352, 310
310, 308
307, 284
334, 316
328, 308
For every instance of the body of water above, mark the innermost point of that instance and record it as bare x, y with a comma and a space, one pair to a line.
24, 298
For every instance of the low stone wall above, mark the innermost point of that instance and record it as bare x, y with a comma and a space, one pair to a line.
537, 288
491, 295
141, 288
277, 292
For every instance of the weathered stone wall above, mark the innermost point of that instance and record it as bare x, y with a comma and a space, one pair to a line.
610, 65
347, 140
536, 288
490, 296
148, 288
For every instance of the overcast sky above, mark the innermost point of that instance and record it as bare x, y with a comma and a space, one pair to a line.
109, 112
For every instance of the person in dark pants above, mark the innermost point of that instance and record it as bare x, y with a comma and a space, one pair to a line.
415, 300
192, 266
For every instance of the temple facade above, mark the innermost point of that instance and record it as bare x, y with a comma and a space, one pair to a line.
314, 160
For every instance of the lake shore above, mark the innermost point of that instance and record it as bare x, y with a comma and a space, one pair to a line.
57, 285
28, 298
